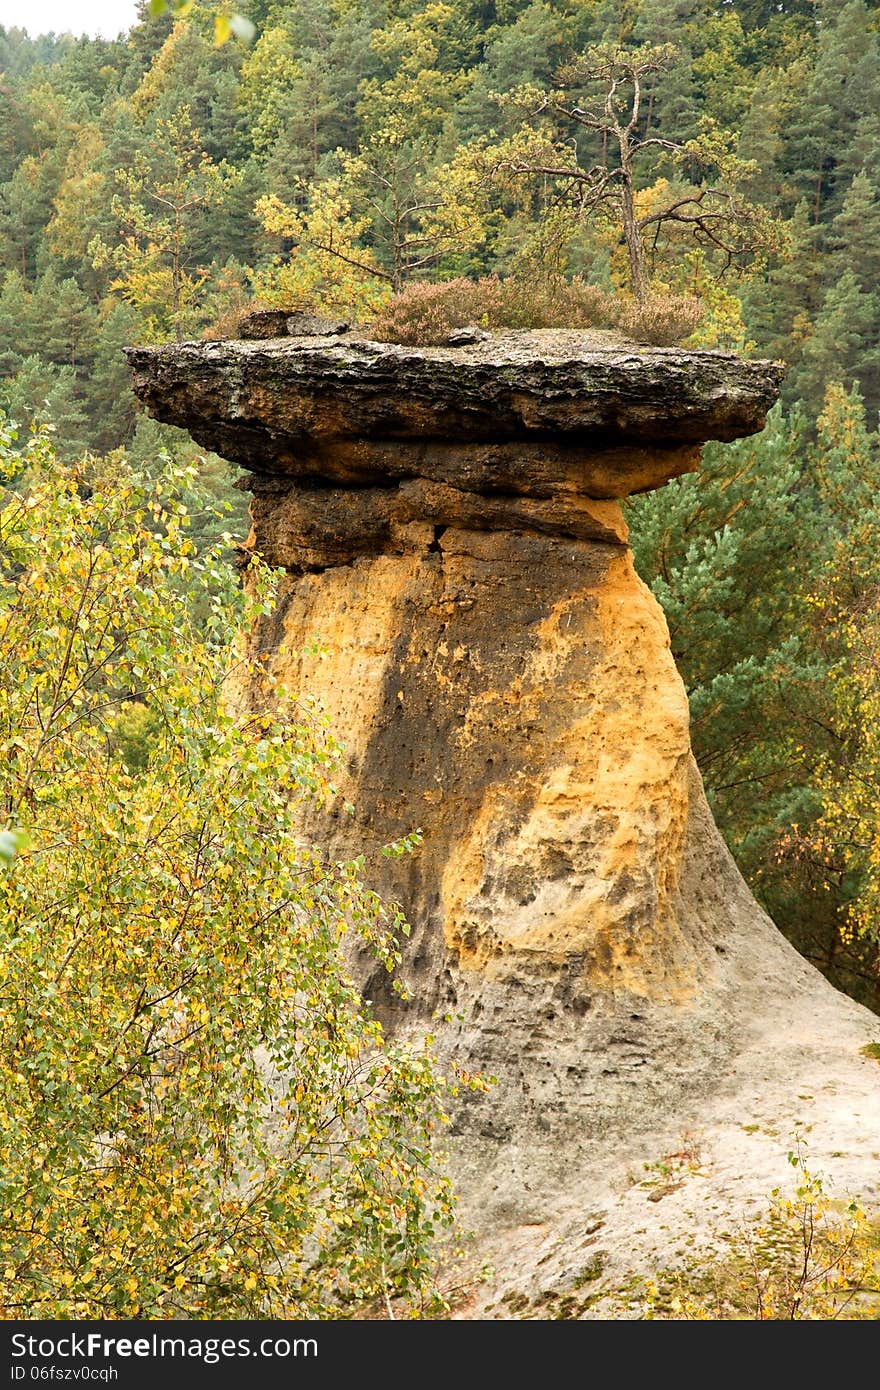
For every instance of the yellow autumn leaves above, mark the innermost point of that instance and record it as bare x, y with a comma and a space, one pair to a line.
197, 1118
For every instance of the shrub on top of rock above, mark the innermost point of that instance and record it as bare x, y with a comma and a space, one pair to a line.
660, 319
427, 314
228, 325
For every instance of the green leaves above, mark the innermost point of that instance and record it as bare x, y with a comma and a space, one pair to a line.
225, 25
197, 1115
242, 28
11, 843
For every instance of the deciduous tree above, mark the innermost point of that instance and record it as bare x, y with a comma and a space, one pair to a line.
199, 1119
171, 184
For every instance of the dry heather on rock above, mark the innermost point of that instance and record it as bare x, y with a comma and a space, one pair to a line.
426, 314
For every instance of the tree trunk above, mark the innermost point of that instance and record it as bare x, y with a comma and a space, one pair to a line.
175, 277
398, 272
638, 270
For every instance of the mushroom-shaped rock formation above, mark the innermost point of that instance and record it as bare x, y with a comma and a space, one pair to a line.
501, 679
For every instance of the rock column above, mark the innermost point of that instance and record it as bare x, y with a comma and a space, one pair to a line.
501, 679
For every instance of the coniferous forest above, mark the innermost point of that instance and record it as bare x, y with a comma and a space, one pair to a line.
154, 186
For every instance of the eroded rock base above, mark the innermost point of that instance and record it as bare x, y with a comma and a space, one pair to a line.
580, 931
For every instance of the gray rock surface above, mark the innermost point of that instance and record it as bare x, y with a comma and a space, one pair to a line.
549, 403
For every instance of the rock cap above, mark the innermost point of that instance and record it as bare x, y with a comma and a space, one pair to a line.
527, 412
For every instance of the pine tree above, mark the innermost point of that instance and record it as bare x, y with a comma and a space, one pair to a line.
723, 552
844, 345
529, 50
111, 404
65, 322
160, 202
853, 240
40, 391
16, 139
16, 338
671, 99
741, 557
841, 92
780, 309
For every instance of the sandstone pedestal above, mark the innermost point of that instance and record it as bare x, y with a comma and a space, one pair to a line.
501, 679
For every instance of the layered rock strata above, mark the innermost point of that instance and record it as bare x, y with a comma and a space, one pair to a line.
461, 602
